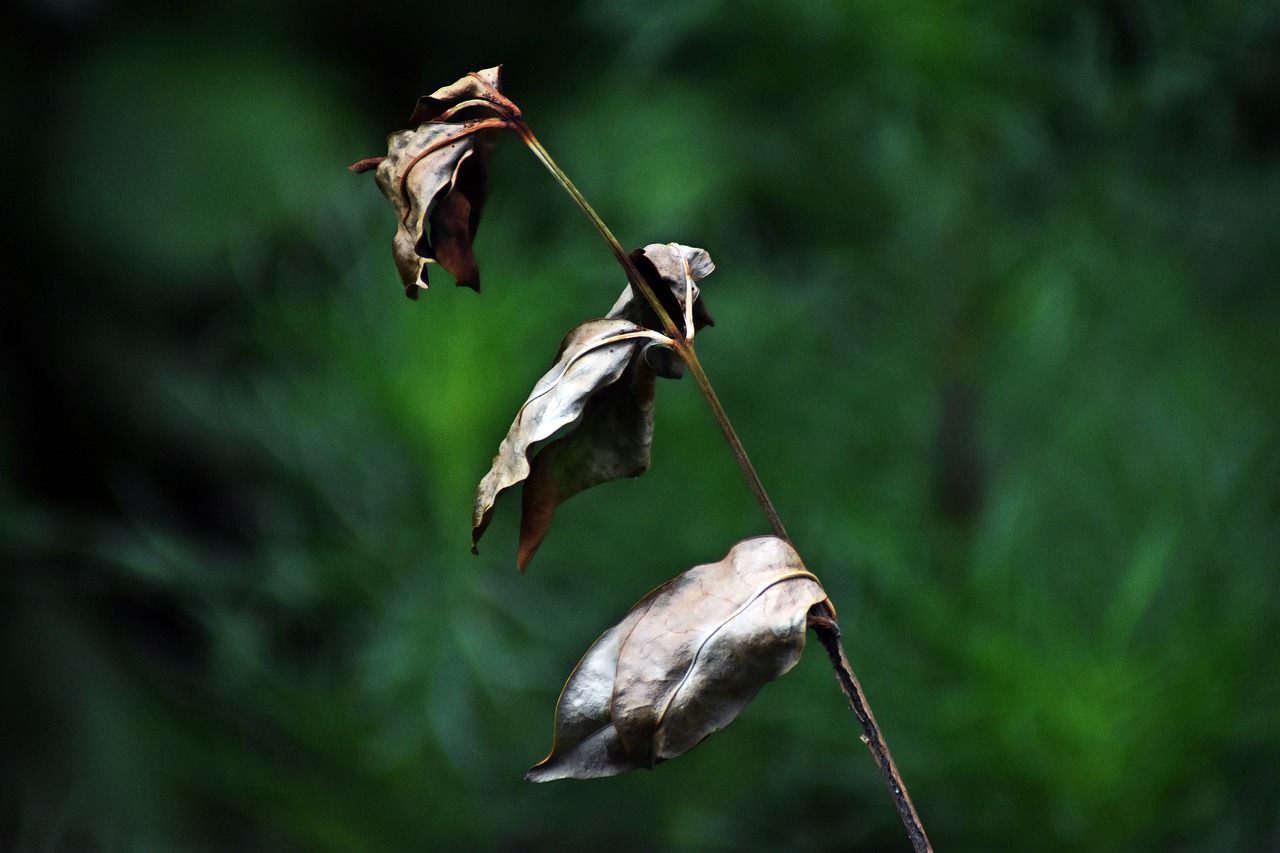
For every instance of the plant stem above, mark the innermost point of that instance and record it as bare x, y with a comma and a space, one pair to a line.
822, 617
682, 346
685, 348
822, 621
637, 281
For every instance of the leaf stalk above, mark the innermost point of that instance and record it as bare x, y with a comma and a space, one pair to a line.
682, 342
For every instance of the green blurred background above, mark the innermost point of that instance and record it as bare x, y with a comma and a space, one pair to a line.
998, 317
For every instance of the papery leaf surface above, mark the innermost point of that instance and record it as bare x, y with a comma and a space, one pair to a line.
596, 384
475, 96
601, 393
587, 745
612, 440
672, 271
435, 175
683, 662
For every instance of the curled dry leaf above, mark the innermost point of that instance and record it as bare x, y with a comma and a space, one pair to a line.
598, 383
602, 386
435, 175
672, 270
683, 662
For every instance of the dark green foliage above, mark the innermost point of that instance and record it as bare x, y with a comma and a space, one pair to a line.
998, 320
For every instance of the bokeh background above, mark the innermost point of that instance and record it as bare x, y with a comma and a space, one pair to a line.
998, 317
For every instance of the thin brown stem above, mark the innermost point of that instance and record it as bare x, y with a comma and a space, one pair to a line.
682, 344
637, 281
685, 348
822, 621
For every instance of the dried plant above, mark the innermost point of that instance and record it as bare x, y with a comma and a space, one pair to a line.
690, 655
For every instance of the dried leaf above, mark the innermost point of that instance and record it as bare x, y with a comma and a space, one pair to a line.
435, 175
599, 383
611, 441
683, 662
671, 270
602, 386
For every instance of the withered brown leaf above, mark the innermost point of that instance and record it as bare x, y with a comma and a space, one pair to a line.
683, 662
436, 177
672, 271
602, 386
597, 383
